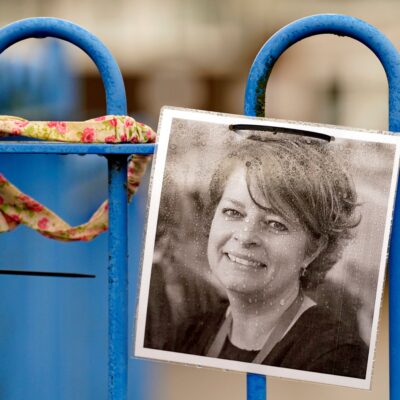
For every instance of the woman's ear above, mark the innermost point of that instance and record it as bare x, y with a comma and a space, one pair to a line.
322, 242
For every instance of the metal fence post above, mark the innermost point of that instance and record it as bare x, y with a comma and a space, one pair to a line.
255, 106
117, 242
117, 278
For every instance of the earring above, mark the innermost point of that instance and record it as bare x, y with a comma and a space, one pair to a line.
303, 272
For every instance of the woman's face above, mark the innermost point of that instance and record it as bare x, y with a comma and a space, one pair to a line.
252, 250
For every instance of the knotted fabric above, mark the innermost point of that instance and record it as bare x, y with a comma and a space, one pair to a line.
18, 208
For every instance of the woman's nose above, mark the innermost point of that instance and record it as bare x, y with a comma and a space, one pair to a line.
247, 235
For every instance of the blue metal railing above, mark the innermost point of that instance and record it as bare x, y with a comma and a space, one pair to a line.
341, 25
117, 172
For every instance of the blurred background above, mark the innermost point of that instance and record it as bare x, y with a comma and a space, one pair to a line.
184, 53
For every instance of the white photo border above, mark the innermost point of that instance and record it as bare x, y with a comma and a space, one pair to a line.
168, 114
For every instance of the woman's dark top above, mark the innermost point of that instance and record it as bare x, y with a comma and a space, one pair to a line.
231, 352
316, 342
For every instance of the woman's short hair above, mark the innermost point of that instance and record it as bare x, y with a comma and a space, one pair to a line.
304, 182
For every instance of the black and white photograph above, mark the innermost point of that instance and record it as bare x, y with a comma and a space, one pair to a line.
266, 246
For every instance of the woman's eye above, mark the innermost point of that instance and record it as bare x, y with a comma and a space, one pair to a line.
277, 226
231, 212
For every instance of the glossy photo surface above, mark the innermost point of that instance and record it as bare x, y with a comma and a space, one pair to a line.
265, 250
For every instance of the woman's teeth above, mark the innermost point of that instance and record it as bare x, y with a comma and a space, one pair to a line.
245, 262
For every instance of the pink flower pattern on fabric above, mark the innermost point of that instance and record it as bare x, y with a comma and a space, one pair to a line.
88, 135
30, 203
113, 121
128, 123
42, 224
61, 127
15, 218
110, 139
18, 208
21, 124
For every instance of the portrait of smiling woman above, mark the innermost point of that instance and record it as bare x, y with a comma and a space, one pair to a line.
260, 261
283, 210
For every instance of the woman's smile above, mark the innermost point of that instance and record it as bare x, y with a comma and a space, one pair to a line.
244, 261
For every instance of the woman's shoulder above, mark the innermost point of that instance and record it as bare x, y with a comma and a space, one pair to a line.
323, 326
320, 342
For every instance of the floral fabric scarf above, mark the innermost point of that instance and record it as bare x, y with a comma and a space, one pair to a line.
18, 208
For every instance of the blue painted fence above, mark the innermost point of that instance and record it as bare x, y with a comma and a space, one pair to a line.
73, 299
342, 25
54, 332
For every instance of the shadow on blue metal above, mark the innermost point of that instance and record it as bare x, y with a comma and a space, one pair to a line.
255, 99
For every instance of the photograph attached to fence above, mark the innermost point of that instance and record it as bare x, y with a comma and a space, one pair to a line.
266, 246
